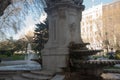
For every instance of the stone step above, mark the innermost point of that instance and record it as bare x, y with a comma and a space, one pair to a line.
7, 72
58, 77
43, 73
31, 76
111, 70
5, 78
19, 78
111, 76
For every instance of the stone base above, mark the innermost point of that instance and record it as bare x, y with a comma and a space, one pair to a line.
54, 59
77, 76
27, 75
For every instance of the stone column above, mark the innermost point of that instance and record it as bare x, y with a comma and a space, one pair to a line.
64, 27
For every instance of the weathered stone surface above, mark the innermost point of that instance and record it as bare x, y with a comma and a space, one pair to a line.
58, 77
19, 78
86, 68
27, 75
35, 77
54, 2
44, 73
64, 27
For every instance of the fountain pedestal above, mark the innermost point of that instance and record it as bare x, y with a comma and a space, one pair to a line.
64, 18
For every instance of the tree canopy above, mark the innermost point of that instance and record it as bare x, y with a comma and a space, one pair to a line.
40, 36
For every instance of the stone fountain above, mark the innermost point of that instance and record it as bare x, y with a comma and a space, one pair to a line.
80, 63
22, 65
64, 18
65, 48
30, 54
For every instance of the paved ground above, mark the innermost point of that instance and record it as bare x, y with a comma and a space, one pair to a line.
111, 76
30, 75
48, 75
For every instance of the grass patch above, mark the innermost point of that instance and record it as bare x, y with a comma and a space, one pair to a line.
3, 56
17, 57
12, 57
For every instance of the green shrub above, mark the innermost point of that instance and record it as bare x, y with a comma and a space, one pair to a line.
18, 57
117, 54
8, 53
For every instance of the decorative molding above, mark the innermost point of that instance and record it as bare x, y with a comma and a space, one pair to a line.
53, 2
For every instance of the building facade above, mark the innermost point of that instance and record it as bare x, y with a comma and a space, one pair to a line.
111, 21
91, 26
100, 26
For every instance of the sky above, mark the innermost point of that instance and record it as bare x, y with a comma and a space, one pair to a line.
89, 3
32, 11
20, 17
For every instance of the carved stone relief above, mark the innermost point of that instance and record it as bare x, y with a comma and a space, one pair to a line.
62, 13
72, 29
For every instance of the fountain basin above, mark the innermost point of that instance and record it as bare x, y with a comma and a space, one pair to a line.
19, 65
109, 62
83, 52
97, 63
92, 67
73, 45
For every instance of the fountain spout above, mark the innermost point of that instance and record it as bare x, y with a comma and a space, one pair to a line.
30, 54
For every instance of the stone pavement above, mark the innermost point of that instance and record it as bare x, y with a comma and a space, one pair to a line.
111, 76
30, 75
44, 75
35, 75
